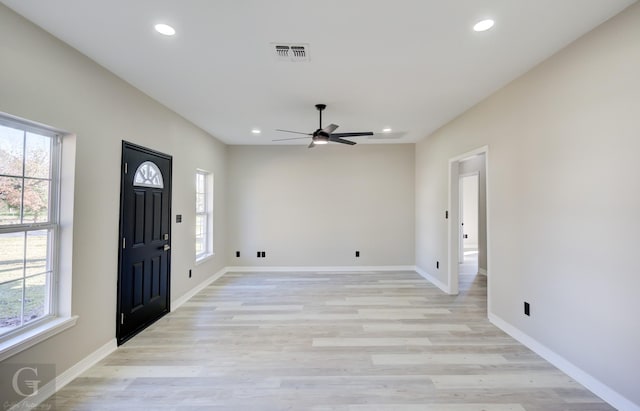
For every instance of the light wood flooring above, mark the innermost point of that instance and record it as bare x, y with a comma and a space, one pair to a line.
327, 341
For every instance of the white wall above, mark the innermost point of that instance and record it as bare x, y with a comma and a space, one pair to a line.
563, 200
44, 80
316, 207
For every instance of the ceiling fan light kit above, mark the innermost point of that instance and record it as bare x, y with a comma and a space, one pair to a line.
326, 134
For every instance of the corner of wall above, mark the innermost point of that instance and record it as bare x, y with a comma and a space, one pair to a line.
175, 304
591, 383
444, 287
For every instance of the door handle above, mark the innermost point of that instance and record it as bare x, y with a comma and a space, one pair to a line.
166, 247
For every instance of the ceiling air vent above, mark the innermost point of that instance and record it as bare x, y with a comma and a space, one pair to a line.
291, 52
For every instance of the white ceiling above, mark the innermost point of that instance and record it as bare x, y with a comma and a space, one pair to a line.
411, 65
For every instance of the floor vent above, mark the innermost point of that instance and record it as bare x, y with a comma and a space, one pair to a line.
290, 52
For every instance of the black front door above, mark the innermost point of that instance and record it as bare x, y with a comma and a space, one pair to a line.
145, 238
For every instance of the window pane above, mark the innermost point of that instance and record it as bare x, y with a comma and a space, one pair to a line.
200, 235
201, 203
200, 226
11, 150
200, 178
37, 154
199, 246
35, 297
11, 257
10, 305
10, 200
37, 251
203, 213
26, 263
36, 201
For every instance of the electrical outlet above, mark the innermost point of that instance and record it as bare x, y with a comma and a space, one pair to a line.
438, 265
189, 273
258, 254
357, 253
263, 254
237, 253
446, 214
527, 309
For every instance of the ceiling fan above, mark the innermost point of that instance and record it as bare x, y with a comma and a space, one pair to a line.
326, 135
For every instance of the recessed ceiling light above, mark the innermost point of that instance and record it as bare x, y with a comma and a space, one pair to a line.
483, 25
386, 130
165, 29
256, 131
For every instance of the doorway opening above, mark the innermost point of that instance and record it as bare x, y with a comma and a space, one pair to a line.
467, 225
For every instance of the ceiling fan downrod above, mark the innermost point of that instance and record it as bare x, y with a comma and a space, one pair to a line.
320, 107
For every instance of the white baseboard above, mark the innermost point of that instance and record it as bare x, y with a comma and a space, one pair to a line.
349, 269
195, 290
592, 384
444, 287
66, 377
482, 271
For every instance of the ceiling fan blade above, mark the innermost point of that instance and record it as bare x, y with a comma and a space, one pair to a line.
330, 128
341, 140
356, 134
290, 138
312, 145
296, 132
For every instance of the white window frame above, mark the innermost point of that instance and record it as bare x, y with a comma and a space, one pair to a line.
59, 317
207, 214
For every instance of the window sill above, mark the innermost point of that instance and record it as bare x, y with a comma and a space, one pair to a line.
205, 258
31, 337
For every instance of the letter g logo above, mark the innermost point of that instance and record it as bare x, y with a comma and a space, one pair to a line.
32, 384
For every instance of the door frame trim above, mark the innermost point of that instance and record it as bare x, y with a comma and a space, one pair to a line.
129, 145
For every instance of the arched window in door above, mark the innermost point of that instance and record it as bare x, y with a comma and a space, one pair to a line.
148, 175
